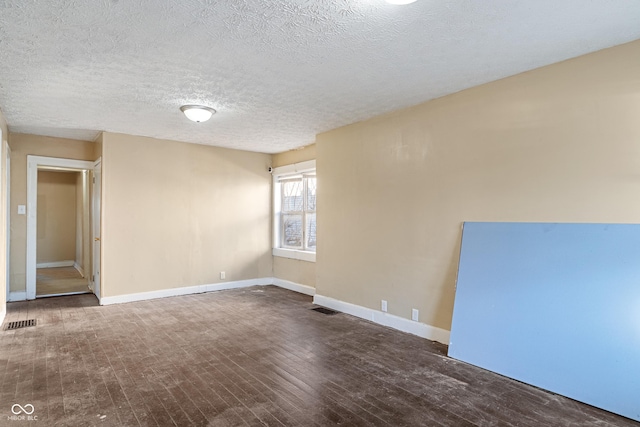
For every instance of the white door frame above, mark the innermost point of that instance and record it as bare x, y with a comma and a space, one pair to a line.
96, 200
33, 164
7, 190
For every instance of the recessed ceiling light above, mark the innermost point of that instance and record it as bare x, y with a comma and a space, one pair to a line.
197, 113
400, 1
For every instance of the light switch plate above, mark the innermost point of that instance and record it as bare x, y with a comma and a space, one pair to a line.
22, 209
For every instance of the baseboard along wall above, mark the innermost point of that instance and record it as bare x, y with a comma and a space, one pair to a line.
400, 323
80, 269
292, 286
199, 289
385, 319
55, 264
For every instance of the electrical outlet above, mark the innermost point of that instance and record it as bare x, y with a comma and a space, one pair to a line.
223, 275
383, 306
414, 314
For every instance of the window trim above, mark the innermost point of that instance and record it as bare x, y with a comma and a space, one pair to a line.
292, 169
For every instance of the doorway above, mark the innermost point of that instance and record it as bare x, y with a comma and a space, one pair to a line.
62, 249
59, 209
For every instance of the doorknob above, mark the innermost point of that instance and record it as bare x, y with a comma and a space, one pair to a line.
97, 239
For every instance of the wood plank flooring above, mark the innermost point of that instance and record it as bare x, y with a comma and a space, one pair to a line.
60, 280
254, 356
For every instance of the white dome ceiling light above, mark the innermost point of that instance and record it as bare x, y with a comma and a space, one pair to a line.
197, 113
400, 1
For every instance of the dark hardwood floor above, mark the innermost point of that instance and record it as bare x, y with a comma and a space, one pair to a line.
254, 356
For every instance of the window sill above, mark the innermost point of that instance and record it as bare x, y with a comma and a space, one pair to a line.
294, 254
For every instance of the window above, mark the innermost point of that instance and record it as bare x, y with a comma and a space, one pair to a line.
298, 212
295, 211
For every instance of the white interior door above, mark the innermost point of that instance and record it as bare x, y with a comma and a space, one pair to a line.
95, 225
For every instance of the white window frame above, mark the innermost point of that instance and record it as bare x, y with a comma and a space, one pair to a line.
281, 172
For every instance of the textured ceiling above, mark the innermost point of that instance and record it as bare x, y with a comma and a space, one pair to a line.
277, 71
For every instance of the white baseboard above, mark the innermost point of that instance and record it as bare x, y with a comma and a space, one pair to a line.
55, 264
80, 269
405, 325
17, 296
3, 313
199, 289
296, 287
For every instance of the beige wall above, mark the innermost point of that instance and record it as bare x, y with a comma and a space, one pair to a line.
558, 144
3, 215
296, 271
177, 214
97, 147
21, 146
56, 230
294, 156
303, 272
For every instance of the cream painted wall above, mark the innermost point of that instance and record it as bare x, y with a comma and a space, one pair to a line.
57, 206
177, 214
557, 144
294, 156
296, 271
3, 216
97, 147
302, 272
21, 146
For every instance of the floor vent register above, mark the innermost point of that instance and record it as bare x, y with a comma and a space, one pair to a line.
20, 324
325, 311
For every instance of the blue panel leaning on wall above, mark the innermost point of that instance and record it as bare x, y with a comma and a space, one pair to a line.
553, 305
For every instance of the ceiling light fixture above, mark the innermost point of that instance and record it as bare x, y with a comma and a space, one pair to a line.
400, 1
197, 113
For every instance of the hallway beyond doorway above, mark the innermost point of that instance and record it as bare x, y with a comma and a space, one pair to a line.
60, 280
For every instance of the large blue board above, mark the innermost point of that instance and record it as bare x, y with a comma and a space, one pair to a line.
553, 305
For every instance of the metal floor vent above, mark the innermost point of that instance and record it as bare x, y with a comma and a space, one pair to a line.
20, 324
325, 310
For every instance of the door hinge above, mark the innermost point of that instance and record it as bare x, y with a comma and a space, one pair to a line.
93, 278
94, 179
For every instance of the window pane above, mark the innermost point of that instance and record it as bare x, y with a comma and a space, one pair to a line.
311, 232
292, 231
292, 196
311, 194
